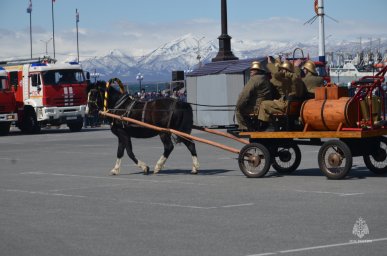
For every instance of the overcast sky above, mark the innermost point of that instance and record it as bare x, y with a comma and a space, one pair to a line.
137, 27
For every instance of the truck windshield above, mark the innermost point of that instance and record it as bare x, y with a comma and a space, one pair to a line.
65, 76
3, 83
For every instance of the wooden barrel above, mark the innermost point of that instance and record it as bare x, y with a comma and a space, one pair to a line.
327, 115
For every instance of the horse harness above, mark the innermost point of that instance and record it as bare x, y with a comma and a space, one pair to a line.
131, 108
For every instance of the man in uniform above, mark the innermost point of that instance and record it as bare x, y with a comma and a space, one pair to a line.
257, 89
311, 79
273, 68
291, 87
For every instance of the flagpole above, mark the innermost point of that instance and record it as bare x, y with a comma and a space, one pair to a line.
53, 28
31, 32
77, 21
29, 10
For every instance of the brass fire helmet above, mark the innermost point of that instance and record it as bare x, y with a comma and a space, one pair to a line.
287, 66
310, 66
256, 65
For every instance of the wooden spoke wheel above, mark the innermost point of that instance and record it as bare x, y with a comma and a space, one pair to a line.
254, 160
335, 159
286, 158
377, 161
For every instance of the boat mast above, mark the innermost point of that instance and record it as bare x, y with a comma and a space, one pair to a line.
321, 45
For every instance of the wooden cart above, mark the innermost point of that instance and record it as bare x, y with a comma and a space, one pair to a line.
357, 130
337, 148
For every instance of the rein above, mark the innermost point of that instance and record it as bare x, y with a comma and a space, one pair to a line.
122, 90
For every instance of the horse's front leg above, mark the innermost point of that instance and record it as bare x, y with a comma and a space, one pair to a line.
124, 142
168, 147
120, 153
131, 155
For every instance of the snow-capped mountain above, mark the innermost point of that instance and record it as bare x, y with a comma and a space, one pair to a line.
182, 53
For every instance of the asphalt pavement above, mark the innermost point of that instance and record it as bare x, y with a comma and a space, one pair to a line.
57, 198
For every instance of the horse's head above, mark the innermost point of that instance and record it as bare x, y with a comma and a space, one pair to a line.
103, 96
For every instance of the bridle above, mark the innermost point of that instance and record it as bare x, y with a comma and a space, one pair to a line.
98, 99
111, 81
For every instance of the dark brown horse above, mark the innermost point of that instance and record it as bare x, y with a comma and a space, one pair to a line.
164, 112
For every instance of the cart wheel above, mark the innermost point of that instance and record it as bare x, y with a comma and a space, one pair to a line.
335, 159
254, 160
377, 162
286, 158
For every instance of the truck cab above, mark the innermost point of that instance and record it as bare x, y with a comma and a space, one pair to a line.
7, 104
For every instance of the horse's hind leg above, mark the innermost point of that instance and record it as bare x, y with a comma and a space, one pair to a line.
168, 147
191, 147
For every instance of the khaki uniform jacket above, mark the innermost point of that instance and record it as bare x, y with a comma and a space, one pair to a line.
257, 89
291, 85
277, 84
312, 81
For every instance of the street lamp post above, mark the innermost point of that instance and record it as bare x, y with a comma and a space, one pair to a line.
46, 42
198, 53
139, 78
77, 21
29, 10
95, 75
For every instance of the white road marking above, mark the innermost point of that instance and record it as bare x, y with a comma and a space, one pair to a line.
124, 201
89, 153
327, 192
115, 178
237, 205
320, 247
43, 193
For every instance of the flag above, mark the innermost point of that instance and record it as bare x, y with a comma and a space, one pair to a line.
29, 9
316, 6
77, 15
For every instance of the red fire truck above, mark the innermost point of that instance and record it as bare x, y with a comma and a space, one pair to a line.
48, 93
7, 104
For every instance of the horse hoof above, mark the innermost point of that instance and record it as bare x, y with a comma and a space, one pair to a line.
114, 172
146, 171
194, 172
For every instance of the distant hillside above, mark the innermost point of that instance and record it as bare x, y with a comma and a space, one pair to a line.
181, 54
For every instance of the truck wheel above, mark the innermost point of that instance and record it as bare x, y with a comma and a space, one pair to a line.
30, 123
4, 128
377, 161
75, 127
254, 160
335, 159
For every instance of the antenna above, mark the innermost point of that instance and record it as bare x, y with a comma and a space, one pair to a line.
319, 10
314, 18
